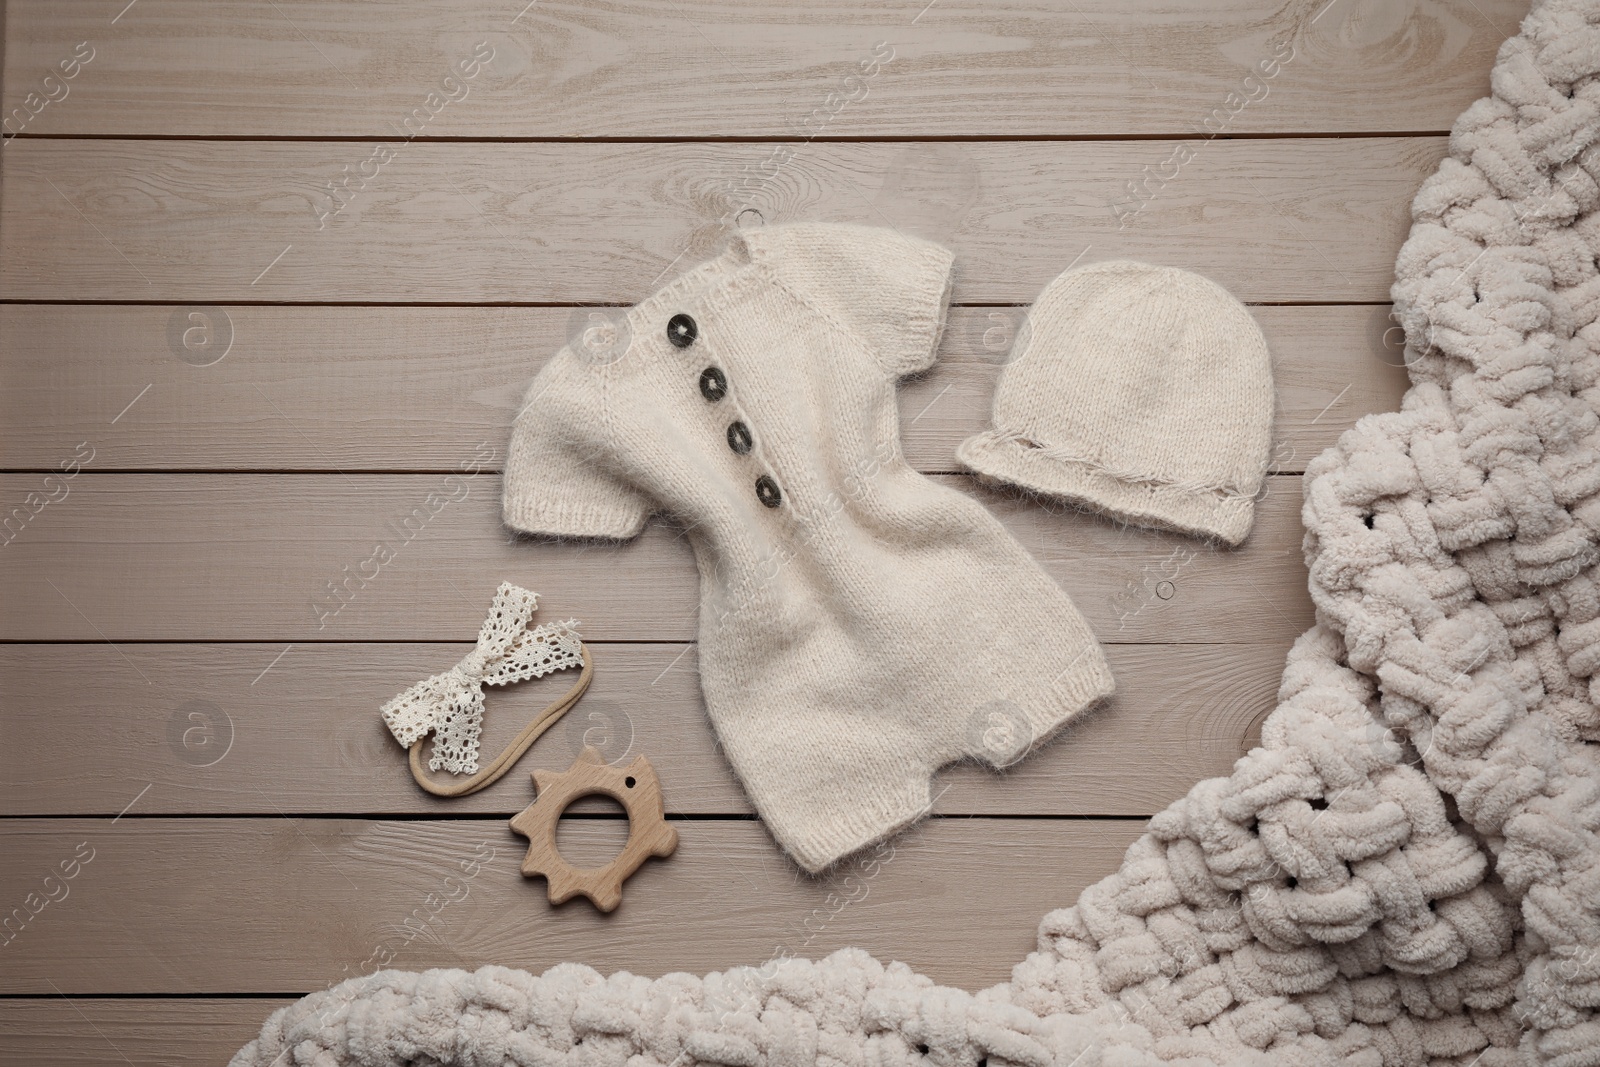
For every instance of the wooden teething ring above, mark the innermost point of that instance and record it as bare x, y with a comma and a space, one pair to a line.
635, 787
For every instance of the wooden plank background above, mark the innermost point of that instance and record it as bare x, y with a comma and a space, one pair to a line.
752, 68
250, 387
1292, 219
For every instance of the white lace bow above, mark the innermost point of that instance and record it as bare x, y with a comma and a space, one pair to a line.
450, 705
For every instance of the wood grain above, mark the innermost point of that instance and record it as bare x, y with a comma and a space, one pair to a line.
225, 905
353, 388
756, 68
1280, 220
78, 1032
216, 725
294, 558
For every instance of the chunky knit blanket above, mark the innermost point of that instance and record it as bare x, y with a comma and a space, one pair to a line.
1407, 870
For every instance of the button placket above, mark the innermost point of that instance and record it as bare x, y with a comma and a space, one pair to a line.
682, 332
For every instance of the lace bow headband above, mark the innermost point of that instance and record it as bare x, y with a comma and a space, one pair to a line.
450, 705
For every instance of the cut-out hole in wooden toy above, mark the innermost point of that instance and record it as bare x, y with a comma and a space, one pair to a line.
595, 838
638, 791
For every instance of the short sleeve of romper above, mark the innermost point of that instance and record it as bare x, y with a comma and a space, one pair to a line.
556, 479
887, 288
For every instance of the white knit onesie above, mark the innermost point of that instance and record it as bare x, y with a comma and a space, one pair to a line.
861, 624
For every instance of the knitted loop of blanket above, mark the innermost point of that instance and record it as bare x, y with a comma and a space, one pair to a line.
1407, 870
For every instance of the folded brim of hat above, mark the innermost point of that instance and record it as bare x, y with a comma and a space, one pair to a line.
1200, 510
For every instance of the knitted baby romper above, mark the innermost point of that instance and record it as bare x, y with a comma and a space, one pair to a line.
861, 625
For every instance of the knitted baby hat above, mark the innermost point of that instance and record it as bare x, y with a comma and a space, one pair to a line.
1143, 392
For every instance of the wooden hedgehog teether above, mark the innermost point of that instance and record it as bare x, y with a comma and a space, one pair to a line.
636, 788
